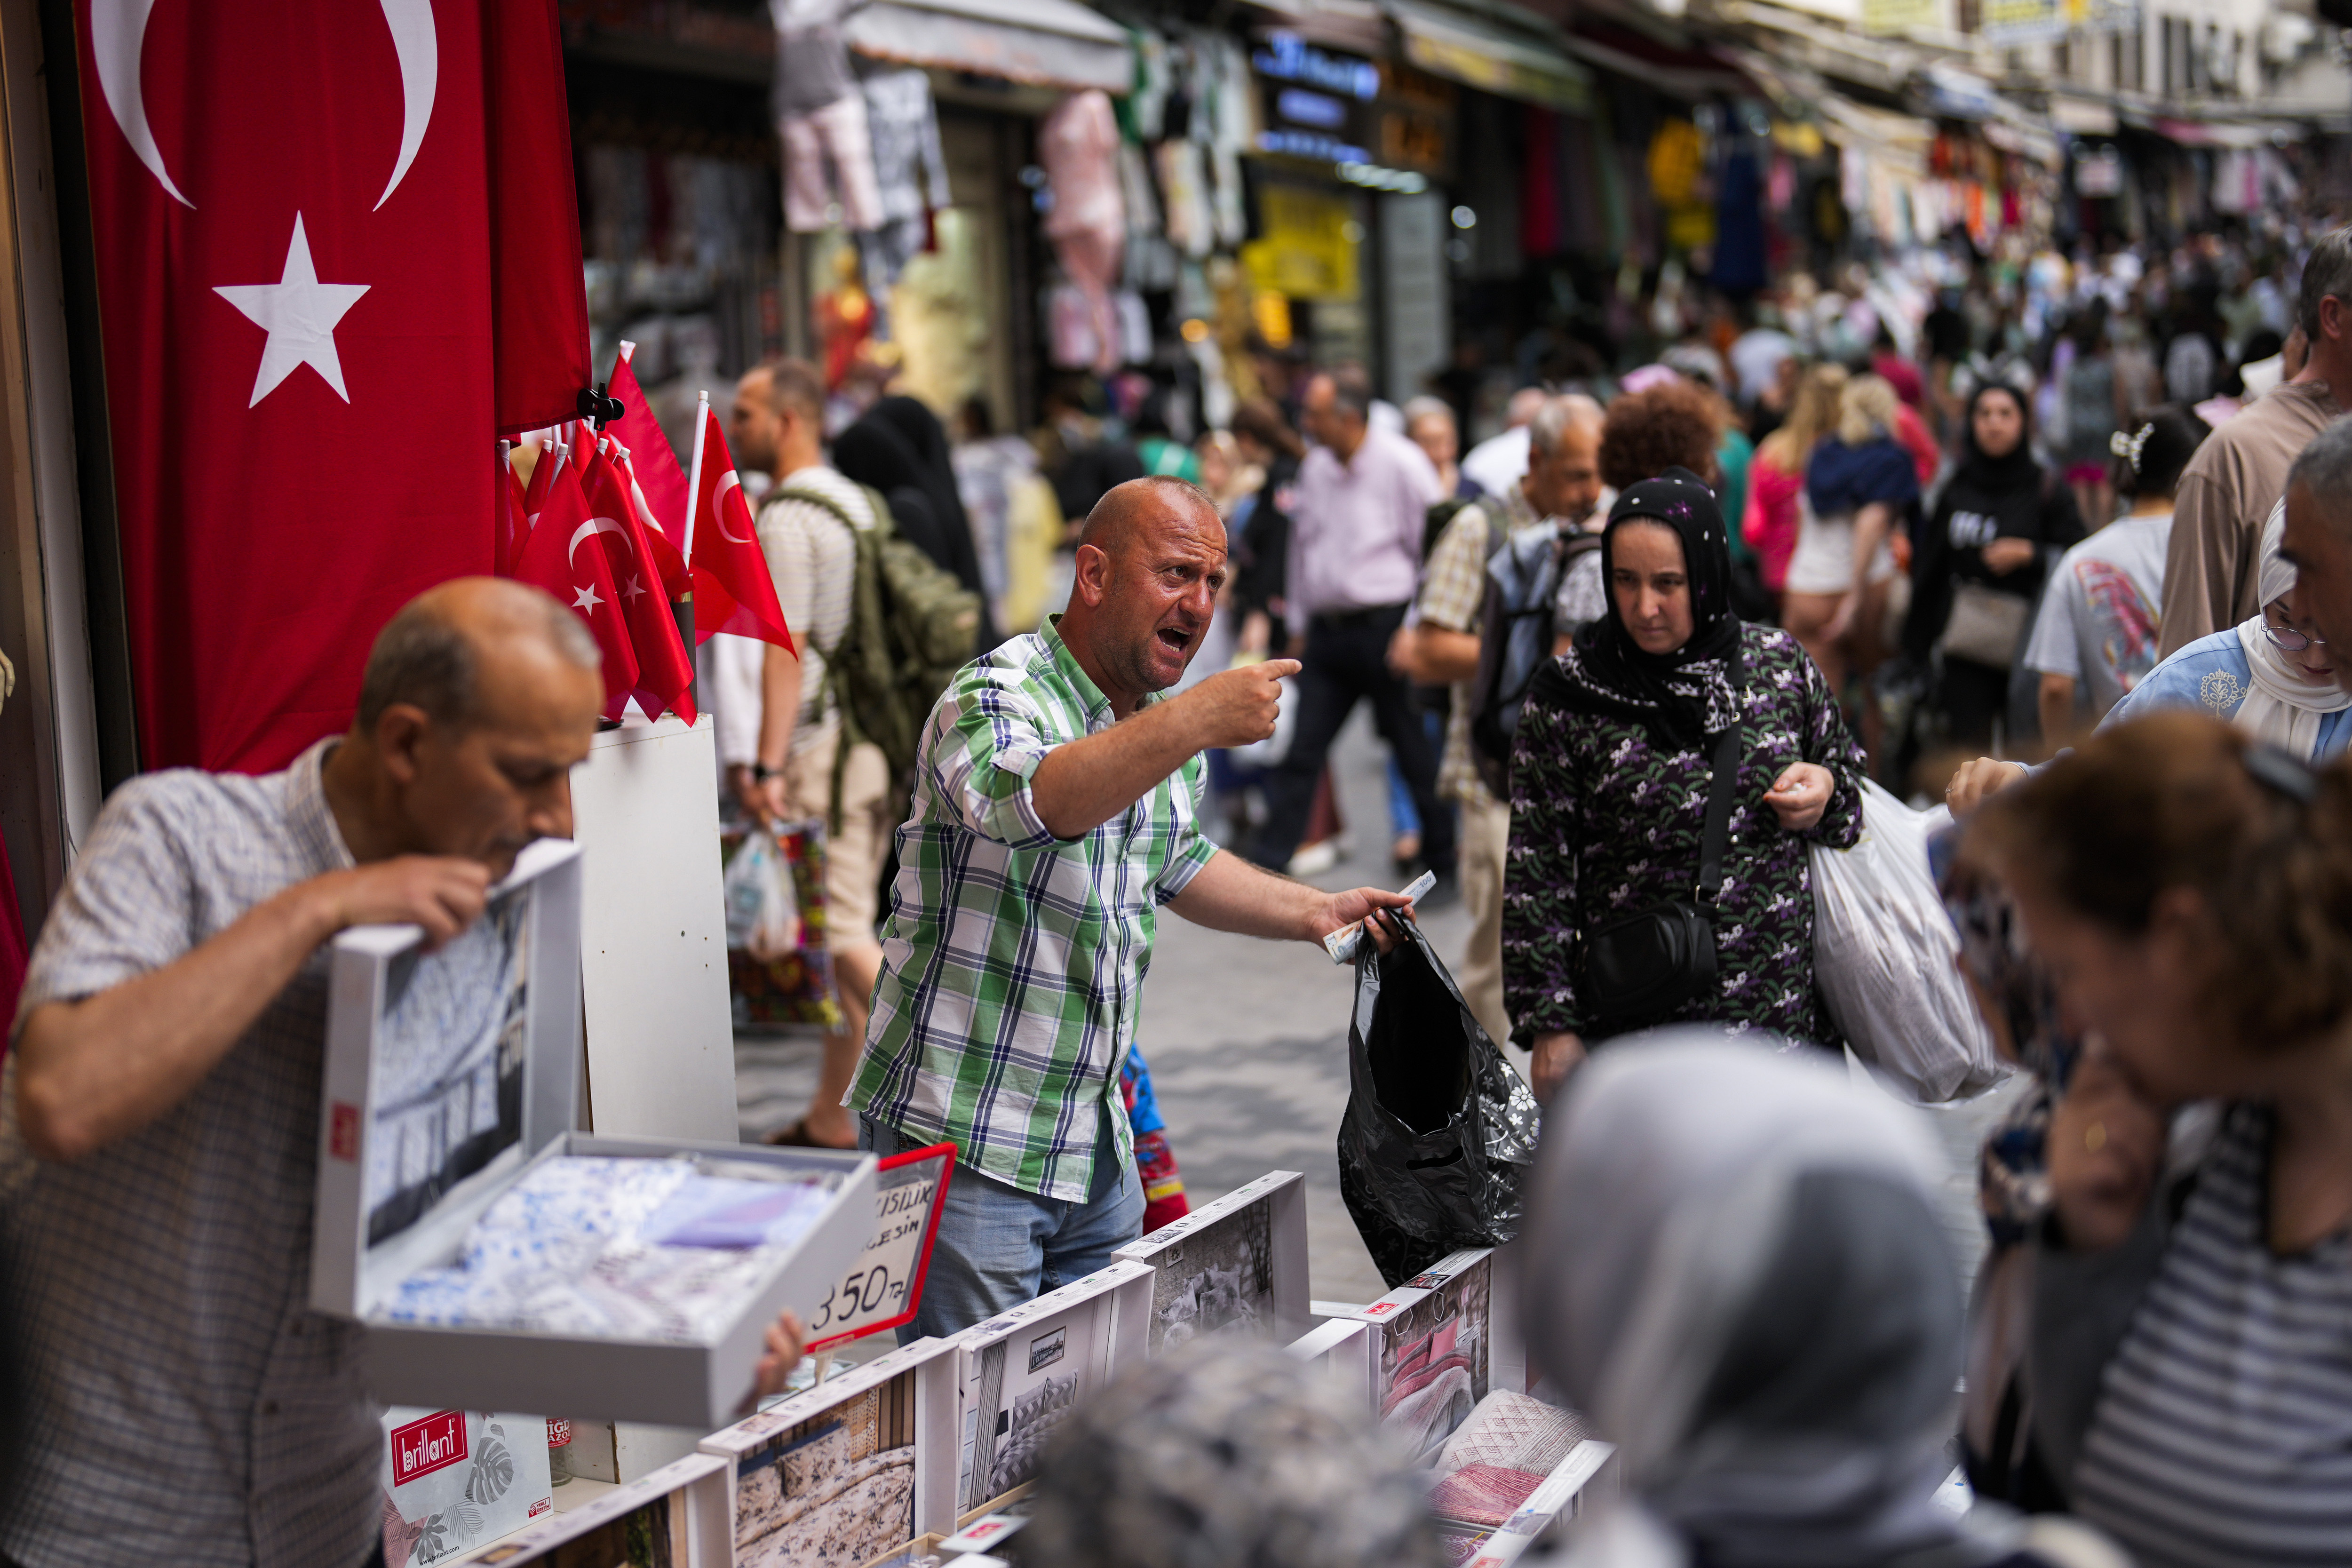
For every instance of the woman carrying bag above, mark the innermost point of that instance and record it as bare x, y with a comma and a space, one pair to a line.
1978, 572
1671, 771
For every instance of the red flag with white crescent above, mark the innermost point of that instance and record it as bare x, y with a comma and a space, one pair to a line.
664, 673
312, 223
567, 557
665, 558
733, 591
651, 461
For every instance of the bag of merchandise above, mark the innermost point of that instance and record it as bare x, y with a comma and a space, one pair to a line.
763, 917
1884, 952
773, 889
1439, 1130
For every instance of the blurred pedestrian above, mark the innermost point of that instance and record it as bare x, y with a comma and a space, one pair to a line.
2236, 477
1429, 424
2095, 637
1496, 463
1776, 479
1261, 546
1610, 782
1860, 487
1978, 572
2094, 410
1363, 497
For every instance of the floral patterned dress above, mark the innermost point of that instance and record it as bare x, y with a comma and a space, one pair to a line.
1606, 821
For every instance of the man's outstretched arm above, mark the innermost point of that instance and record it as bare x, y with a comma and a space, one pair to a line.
1230, 894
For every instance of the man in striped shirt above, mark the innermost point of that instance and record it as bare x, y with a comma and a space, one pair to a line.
1056, 809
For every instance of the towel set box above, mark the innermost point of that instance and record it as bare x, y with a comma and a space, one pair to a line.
500, 1257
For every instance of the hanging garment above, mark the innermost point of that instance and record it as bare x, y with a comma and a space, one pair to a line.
911, 172
1078, 145
828, 157
1184, 188
811, 61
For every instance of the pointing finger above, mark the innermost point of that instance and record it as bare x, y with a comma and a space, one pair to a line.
1276, 668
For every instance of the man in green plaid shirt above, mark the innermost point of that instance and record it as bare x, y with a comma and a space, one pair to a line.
1054, 811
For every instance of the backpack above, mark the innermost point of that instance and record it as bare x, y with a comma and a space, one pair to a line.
1515, 638
911, 626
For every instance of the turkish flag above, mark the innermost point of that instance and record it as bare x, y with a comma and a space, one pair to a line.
664, 671
734, 592
311, 222
650, 458
512, 528
667, 562
582, 579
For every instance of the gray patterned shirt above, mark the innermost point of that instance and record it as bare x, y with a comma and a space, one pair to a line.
185, 1404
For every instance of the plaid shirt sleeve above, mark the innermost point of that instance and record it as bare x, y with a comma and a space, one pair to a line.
1192, 849
1453, 582
989, 742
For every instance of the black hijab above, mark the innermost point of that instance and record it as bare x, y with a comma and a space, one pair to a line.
877, 452
1685, 695
2014, 469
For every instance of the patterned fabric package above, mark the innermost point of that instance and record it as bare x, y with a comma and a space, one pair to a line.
778, 975
456, 1480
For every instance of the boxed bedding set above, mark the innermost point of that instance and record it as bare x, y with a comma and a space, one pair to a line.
1235, 1265
502, 1260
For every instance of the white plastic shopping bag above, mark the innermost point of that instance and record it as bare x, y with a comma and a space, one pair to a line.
1884, 952
763, 918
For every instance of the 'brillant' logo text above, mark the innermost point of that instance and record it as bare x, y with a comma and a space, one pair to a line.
424, 1446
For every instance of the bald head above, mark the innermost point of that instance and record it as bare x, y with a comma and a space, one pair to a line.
1128, 510
1558, 420
433, 653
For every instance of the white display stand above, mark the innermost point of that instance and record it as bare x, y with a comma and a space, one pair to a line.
1237, 1265
652, 936
803, 1473
1346, 1349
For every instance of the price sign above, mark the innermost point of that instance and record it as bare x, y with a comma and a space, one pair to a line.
883, 1288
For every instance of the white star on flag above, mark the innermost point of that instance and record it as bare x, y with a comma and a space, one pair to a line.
299, 313
633, 590
586, 599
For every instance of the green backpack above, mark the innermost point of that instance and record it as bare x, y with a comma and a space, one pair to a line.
911, 626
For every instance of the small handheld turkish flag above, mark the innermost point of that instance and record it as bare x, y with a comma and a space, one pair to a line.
582, 579
510, 527
665, 674
734, 592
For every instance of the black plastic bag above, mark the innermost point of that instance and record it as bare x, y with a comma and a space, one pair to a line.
1440, 1130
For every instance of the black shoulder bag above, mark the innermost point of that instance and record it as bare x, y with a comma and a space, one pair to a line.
1642, 970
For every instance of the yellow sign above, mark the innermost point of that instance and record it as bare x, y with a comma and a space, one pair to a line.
1306, 252
1899, 17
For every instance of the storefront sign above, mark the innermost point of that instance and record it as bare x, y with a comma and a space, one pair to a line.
2008, 22
1898, 17
1308, 244
1288, 58
885, 1286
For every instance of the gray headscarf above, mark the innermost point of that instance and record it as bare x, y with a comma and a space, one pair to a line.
1736, 1269
1226, 1454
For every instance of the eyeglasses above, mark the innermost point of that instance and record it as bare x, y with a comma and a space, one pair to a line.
2288, 638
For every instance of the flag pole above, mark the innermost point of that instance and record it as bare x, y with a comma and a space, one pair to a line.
694, 473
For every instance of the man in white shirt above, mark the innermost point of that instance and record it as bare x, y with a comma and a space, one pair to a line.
1363, 500
805, 531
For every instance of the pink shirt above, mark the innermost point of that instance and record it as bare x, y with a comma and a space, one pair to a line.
1356, 527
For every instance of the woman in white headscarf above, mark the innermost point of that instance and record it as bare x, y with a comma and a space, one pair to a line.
2271, 673
1737, 1272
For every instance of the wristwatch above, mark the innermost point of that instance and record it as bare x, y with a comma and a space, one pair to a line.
762, 772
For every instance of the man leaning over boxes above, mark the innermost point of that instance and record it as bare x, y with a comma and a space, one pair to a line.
176, 1399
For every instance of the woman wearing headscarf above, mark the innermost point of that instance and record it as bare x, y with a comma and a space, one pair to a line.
899, 449
1763, 1315
1860, 487
1979, 569
2270, 675
1611, 778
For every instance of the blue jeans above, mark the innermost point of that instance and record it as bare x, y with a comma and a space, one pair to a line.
999, 1246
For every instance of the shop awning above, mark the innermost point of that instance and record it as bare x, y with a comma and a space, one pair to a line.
1045, 43
2081, 116
1696, 74
1492, 56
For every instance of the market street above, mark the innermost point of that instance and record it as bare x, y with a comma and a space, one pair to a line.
1248, 1047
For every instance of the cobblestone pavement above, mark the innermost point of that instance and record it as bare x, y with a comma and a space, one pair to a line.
1248, 1047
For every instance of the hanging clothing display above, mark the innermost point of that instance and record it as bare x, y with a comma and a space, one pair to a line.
1184, 185
911, 172
827, 159
1078, 145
